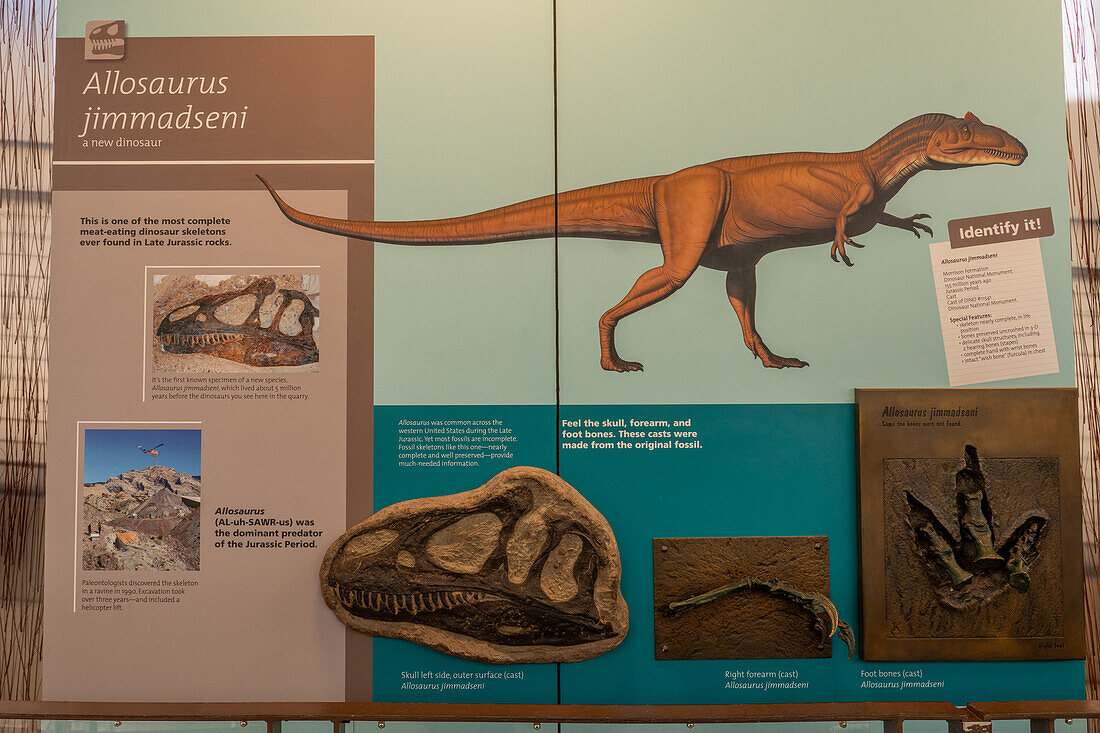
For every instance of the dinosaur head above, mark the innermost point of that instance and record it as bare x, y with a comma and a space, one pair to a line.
522, 569
958, 143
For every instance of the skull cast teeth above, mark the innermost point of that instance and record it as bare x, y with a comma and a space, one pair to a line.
197, 327
521, 569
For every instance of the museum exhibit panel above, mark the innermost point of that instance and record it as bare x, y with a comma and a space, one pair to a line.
562, 362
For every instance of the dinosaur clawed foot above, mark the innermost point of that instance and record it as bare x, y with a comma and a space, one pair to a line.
768, 359
615, 364
782, 362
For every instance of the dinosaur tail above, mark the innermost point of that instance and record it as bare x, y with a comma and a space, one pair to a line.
526, 220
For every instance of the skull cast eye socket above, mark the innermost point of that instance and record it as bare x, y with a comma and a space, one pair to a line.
236, 311
465, 545
288, 323
182, 312
557, 580
269, 308
371, 542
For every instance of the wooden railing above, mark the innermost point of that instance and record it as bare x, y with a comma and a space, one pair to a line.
892, 715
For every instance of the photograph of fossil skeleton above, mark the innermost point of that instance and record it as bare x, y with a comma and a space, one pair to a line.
223, 323
724, 215
522, 569
970, 511
744, 598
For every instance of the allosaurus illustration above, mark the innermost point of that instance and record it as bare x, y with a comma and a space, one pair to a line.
724, 215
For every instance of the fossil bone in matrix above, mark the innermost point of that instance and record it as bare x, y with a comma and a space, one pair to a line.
521, 569
978, 566
725, 215
207, 325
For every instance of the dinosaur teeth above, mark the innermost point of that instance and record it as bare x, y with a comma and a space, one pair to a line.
1002, 154
197, 340
408, 603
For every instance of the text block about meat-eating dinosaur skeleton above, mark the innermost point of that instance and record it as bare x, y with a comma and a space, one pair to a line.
994, 311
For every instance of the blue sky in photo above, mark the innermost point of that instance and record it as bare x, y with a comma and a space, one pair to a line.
112, 452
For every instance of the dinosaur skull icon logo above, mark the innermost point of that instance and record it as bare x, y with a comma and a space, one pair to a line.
104, 40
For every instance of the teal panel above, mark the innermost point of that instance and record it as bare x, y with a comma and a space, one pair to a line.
762, 470
396, 662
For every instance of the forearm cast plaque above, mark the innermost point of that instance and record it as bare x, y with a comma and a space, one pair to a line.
744, 598
522, 569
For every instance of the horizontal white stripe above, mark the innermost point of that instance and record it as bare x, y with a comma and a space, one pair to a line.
138, 422
213, 162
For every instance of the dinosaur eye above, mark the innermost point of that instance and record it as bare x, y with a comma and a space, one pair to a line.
965, 129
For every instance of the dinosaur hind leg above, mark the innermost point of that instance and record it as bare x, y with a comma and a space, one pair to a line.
652, 287
741, 289
688, 205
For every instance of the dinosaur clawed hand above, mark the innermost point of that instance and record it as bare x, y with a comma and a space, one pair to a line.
911, 224
826, 619
838, 246
845, 634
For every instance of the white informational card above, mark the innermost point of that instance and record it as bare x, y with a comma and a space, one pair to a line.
994, 311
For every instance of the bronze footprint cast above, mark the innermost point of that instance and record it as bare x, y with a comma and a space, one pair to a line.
973, 570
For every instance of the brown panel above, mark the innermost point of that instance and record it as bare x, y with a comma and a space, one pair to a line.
307, 99
267, 82
926, 594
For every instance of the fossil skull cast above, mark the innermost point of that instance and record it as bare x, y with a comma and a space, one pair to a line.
229, 325
522, 569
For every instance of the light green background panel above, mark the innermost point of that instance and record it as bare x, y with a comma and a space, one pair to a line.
465, 124
648, 88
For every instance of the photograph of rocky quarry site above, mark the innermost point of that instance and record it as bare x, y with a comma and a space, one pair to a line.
141, 496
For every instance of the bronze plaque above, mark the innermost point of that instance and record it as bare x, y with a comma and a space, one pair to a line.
742, 598
970, 517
